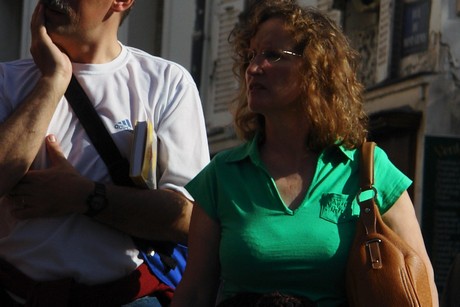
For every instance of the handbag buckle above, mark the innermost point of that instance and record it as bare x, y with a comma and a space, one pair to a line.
373, 246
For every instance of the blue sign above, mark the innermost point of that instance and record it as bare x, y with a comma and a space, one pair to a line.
416, 27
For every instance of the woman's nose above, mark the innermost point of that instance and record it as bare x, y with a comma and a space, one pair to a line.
255, 66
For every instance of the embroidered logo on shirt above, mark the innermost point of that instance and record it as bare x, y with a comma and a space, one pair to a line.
336, 208
123, 125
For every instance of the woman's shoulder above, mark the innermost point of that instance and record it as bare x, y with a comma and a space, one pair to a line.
232, 154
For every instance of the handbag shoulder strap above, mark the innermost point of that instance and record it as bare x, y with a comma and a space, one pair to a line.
117, 165
367, 165
369, 211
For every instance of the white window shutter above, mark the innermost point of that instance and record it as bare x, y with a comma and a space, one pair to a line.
222, 83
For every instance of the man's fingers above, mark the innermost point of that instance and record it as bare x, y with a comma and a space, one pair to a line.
54, 151
37, 22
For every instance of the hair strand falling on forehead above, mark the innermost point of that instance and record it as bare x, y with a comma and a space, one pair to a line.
332, 93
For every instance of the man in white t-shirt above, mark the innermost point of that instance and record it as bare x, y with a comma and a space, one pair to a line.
65, 229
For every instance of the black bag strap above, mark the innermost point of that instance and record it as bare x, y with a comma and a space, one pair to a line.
117, 165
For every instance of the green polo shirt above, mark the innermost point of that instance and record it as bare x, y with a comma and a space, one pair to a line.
266, 246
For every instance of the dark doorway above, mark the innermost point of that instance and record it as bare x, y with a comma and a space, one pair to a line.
395, 131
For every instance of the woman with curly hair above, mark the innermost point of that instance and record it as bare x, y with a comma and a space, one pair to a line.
278, 213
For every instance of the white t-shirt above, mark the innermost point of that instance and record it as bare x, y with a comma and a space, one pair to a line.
135, 86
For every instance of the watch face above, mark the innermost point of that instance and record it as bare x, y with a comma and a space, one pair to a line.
97, 200
98, 203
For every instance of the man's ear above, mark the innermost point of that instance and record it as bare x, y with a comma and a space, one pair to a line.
122, 5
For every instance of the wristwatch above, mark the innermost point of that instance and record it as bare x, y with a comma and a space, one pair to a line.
97, 200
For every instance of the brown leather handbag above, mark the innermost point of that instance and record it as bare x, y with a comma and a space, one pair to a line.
382, 269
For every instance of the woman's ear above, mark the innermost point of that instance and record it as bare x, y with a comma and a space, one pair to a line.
122, 5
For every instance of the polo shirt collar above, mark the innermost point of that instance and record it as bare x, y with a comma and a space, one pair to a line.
248, 150
251, 150
349, 153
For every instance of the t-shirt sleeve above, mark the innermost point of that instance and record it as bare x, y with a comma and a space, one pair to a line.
390, 182
203, 189
181, 131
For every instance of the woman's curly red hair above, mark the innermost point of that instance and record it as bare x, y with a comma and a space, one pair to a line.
332, 93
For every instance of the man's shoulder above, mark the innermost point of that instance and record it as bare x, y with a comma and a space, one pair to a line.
145, 56
18, 72
152, 61
18, 65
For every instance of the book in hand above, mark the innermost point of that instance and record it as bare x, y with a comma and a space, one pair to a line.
143, 159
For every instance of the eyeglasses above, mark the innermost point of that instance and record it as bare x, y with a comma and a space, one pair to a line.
271, 56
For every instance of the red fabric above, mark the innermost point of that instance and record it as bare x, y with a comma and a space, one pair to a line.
141, 282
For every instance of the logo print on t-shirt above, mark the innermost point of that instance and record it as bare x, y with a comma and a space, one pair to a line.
123, 125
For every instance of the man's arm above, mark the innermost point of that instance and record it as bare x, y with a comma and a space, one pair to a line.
22, 134
150, 214
59, 190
